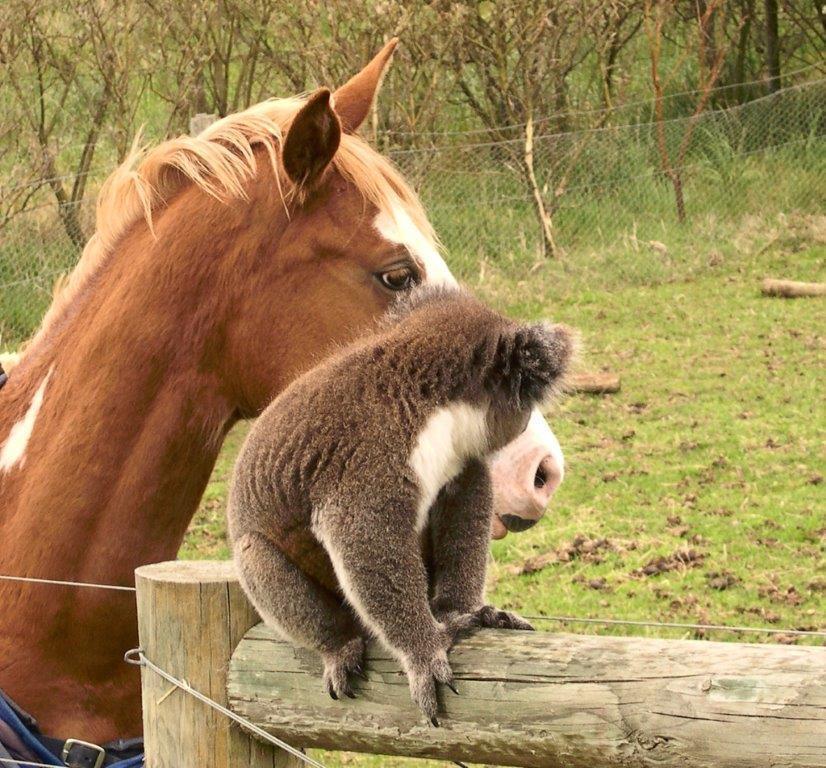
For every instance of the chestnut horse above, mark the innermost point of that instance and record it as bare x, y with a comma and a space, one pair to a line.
222, 266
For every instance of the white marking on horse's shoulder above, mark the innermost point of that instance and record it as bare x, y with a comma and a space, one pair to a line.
9, 360
14, 449
398, 227
452, 435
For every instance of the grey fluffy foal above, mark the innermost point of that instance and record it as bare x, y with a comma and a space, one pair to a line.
361, 500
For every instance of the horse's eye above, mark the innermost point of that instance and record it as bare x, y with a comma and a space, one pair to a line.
399, 279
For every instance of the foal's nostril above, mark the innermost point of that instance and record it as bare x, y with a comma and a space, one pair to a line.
517, 524
546, 479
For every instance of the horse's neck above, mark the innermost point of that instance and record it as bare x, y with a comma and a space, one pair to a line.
119, 451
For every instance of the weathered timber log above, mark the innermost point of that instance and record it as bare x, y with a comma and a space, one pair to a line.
791, 289
190, 617
597, 383
556, 701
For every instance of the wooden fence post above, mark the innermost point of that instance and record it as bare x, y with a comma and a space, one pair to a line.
191, 615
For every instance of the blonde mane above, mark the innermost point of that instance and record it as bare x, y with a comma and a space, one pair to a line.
219, 161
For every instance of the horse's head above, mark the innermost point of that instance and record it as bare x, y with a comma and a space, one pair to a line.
334, 235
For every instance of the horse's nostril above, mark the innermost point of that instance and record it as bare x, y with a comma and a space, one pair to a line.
541, 477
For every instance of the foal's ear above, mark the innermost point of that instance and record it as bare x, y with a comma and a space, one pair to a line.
353, 100
312, 139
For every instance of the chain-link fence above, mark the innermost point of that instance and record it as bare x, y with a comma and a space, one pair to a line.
501, 194
597, 184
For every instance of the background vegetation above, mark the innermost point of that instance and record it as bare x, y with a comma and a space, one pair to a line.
532, 128
629, 167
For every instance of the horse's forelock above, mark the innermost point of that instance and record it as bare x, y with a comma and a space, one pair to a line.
219, 161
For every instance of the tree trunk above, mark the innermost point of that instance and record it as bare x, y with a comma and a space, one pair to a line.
708, 33
743, 40
67, 209
820, 10
679, 199
772, 46
546, 226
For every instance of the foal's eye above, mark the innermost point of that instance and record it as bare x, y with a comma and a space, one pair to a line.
399, 279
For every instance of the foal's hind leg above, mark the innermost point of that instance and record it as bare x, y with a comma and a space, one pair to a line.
306, 612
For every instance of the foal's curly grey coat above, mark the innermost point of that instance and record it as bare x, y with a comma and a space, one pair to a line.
361, 501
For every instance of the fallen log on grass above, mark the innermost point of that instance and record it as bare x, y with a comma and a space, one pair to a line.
791, 289
595, 383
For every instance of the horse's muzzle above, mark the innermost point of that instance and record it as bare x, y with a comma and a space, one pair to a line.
516, 524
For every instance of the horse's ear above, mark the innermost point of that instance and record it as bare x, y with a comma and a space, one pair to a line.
312, 139
353, 100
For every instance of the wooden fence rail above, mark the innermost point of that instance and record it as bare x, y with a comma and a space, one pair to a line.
526, 698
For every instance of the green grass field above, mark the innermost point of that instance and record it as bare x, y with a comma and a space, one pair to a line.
715, 444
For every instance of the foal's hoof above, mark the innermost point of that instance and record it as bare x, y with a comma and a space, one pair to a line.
340, 665
489, 616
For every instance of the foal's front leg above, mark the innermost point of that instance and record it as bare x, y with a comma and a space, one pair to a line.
377, 559
459, 541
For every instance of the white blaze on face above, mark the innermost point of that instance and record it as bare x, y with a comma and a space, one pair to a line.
450, 437
14, 449
398, 227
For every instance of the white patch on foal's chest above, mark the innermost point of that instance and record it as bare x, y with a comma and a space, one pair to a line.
396, 226
14, 449
450, 437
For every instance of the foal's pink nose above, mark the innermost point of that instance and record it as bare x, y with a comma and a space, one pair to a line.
524, 479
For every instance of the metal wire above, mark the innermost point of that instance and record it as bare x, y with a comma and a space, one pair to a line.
601, 181
678, 625
597, 110
559, 619
591, 131
136, 656
60, 582
67, 176
11, 761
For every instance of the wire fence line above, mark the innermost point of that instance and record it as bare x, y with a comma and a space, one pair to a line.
536, 617
137, 657
614, 175
634, 106
599, 183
